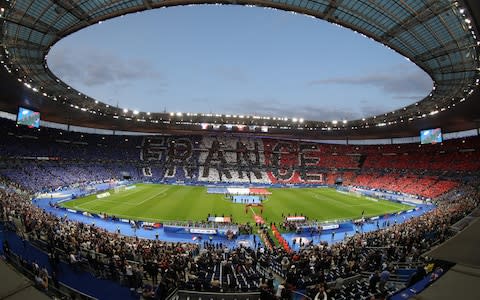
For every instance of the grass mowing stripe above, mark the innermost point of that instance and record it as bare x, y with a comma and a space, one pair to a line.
172, 202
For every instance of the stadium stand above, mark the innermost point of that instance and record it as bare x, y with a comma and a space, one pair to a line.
138, 263
215, 268
78, 158
440, 37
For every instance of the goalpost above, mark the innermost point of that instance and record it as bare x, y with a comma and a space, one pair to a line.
119, 188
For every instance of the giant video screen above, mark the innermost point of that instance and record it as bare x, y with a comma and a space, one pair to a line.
431, 136
28, 117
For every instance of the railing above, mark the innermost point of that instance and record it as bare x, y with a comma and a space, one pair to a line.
193, 295
299, 296
464, 222
60, 291
172, 295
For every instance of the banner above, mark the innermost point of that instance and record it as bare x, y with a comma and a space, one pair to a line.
220, 219
296, 218
202, 231
330, 226
103, 195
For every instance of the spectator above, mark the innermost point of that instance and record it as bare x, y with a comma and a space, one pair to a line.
321, 294
384, 277
373, 281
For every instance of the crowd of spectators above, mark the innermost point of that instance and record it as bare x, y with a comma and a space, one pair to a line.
373, 251
45, 176
50, 158
107, 254
163, 266
423, 186
214, 267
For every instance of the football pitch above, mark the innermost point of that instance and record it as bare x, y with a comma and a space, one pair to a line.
158, 202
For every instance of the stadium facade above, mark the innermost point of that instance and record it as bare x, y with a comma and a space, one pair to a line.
440, 37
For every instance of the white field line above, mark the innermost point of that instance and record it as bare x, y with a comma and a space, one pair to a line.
107, 200
151, 197
80, 205
115, 202
323, 197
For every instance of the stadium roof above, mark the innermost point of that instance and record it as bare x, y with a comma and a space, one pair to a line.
440, 36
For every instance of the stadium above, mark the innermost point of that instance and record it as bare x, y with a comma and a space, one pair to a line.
102, 202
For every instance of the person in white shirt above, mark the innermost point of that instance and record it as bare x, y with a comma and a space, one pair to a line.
280, 289
321, 295
73, 259
129, 274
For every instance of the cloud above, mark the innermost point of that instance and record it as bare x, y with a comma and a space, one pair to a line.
101, 68
412, 98
395, 82
276, 108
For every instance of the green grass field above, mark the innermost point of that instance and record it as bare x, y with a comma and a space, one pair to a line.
156, 202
